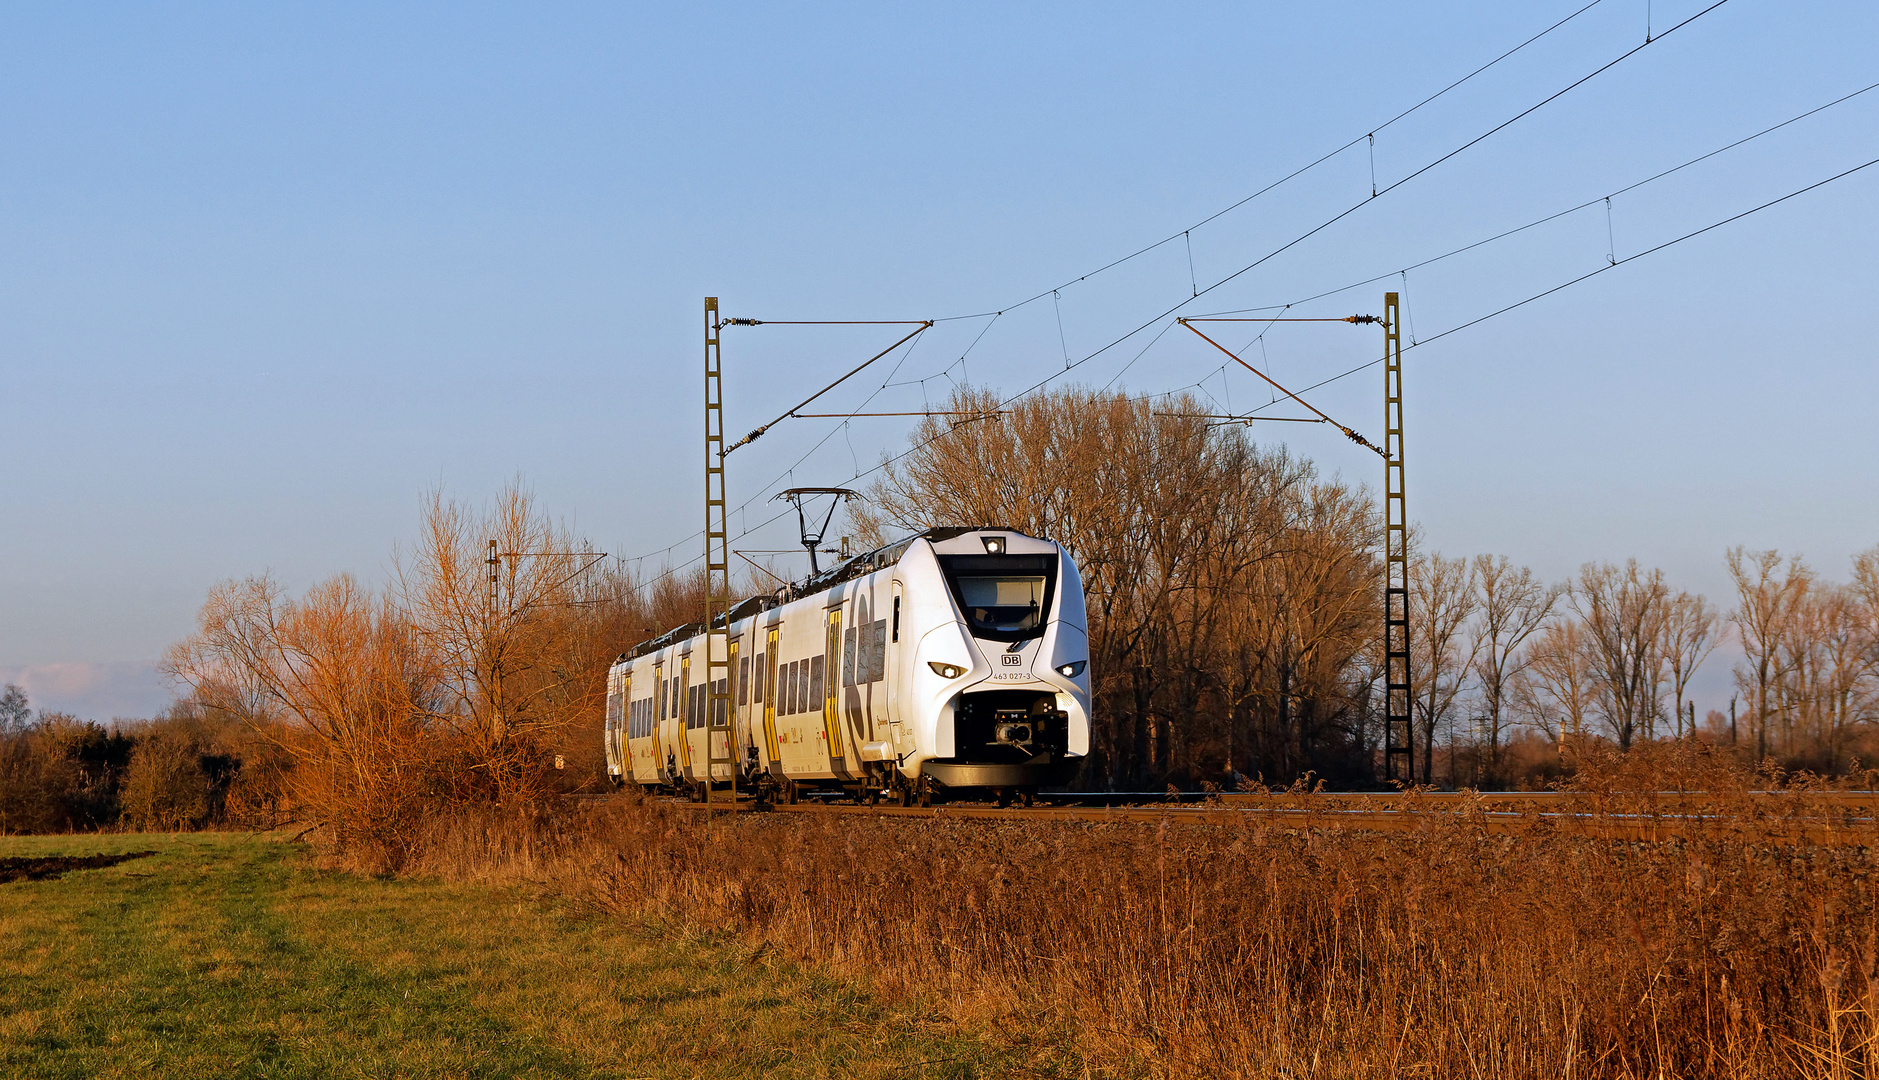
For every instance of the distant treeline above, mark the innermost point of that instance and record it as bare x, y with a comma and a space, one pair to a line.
183, 770
1235, 614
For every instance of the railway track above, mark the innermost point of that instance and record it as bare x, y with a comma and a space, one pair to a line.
1838, 818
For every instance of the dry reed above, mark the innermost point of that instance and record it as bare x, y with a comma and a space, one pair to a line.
1735, 948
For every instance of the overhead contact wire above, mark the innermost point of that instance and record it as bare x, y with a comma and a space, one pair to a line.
1592, 274
1303, 169
1341, 215
1569, 211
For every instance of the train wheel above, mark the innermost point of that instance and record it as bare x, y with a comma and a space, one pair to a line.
1004, 797
925, 792
1026, 796
903, 794
789, 792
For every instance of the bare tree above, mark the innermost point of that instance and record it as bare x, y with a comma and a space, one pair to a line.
1623, 613
1689, 636
1554, 689
15, 712
1851, 654
348, 680
1766, 602
1442, 600
495, 598
1514, 606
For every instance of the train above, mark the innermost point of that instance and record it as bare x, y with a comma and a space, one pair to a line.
952, 661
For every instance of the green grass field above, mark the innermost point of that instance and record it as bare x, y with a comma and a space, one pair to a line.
229, 955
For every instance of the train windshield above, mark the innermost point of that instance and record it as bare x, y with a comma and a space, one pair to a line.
1002, 603
1003, 597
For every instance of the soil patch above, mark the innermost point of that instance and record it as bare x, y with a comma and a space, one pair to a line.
53, 866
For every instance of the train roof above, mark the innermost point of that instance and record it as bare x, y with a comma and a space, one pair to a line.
865, 563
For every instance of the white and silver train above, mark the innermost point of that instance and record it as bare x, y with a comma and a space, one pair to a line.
957, 658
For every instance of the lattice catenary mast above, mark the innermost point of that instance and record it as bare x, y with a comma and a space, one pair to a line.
1396, 680
718, 681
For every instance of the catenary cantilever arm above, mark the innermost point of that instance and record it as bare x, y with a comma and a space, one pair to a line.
758, 433
1348, 433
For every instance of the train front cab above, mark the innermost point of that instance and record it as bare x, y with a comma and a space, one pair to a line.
1000, 661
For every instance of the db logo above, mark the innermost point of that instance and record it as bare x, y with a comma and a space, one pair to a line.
1011, 660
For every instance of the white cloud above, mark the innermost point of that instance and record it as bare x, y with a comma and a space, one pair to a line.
128, 689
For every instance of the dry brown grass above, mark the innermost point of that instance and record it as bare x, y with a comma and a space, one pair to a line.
1734, 950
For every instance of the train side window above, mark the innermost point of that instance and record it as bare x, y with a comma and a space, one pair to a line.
878, 654
815, 682
756, 685
662, 693
848, 657
743, 680
802, 686
896, 618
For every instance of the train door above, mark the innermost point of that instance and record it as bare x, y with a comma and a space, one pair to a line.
767, 692
723, 729
830, 665
899, 722
658, 718
621, 715
616, 707
681, 709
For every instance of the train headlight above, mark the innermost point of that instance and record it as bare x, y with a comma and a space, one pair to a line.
946, 671
1072, 669
994, 545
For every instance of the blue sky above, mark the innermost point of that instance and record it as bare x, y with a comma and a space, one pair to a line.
270, 273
